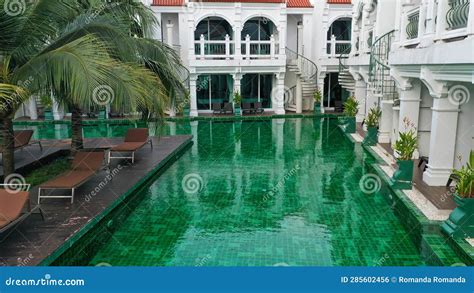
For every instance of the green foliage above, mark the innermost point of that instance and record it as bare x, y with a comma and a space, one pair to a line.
406, 145
373, 117
317, 96
351, 107
47, 102
47, 172
237, 98
465, 181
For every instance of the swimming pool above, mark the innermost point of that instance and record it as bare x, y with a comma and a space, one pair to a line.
261, 193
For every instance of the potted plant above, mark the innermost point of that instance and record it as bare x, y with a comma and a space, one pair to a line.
461, 222
351, 108
47, 104
404, 147
237, 99
372, 123
317, 101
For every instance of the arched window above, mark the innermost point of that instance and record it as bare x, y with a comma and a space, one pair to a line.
259, 29
213, 28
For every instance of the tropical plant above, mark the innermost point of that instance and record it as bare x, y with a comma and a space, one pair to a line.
47, 102
406, 145
237, 98
465, 178
317, 96
373, 117
76, 49
351, 107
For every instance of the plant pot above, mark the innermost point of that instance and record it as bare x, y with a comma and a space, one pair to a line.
186, 112
403, 177
48, 115
460, 223
317, 108
350, 125
102, 115
237, 111
371, 136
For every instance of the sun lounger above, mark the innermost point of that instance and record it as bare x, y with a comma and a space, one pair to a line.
216, 108
257, 107
15, 206
22, 139
135, 139
246, 108
228, 108
84, 166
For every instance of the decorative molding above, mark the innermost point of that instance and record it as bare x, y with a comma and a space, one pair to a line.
438, 89
403, 83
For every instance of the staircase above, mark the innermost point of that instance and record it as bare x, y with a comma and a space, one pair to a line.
346, 80
380, 82
308, 74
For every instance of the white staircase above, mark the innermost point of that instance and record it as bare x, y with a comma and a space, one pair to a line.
346, 80
307, 72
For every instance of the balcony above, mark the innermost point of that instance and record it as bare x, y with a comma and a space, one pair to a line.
412, 26
338, 47
458, 14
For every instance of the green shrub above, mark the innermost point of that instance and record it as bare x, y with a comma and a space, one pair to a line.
373, 117
351, 107
464, 185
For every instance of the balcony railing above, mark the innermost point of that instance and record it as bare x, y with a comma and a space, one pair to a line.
458, 14
214, 49
335, 47
259, 49
412, 26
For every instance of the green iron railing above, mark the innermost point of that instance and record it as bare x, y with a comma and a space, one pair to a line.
412, 26
380, 79
458, 14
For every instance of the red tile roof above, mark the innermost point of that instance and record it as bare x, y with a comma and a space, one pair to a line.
168, 3
298, 4
339, 1
244, 1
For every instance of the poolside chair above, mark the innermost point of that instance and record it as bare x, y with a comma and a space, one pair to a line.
216, 108
423, 159
135, 139
15, 206
227, 108
257, 106
84, 166
22, 139
246, 108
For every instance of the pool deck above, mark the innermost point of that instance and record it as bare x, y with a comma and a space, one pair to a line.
33, 240
437, 195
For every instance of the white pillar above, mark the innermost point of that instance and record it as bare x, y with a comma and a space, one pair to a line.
410, 99
237, 83
33, 111
193, 96
360, 95
299, 95
385, 127
299, 32
57, 110
278, 93
444, 124
169, 33
395, 117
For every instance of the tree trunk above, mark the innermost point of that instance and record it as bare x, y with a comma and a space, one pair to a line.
8, 143
77, 142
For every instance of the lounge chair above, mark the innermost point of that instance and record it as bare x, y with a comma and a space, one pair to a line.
15, 207
246, 108
84, 166
135, 139
257, 106
216, 108
227, 108
22, 139
422, 160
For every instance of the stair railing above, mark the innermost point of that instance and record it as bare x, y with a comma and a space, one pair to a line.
379, 70
308, 69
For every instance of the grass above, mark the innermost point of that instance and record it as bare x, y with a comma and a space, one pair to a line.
47, 172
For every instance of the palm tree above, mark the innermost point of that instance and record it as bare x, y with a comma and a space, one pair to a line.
76, 49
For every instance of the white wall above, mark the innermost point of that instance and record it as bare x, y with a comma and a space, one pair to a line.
424, 122
465, 130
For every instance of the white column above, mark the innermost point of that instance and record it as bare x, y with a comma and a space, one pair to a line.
278, 93
237, 82
193, 95
361, 95
33, 111
300, 39
299, 95
107, 111
410, 99
172, 126
333, 46
395, 117
444, 124
58, 112
238, 42
470, 22
385, 127
169, 33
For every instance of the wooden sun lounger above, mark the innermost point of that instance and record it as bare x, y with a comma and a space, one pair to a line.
135, 139
227, 108
246, 108
13, 205
84, 166
257, 107
22, 139
216, 108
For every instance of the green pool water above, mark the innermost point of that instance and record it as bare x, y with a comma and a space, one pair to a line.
260, 193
